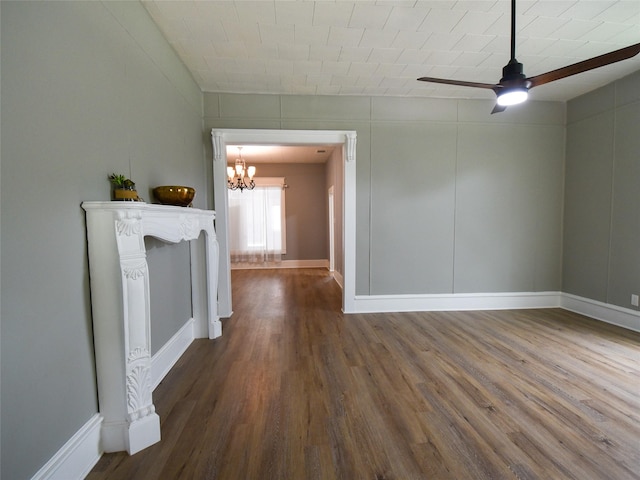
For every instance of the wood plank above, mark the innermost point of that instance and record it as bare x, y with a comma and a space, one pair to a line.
295, 389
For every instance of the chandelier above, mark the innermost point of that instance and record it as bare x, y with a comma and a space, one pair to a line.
236, 176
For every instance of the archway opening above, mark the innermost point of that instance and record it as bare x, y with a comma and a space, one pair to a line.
345, 139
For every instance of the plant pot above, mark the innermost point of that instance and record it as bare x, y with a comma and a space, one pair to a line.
125, 195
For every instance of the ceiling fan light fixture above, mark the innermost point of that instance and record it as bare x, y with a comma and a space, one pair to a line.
512, 96
514, 85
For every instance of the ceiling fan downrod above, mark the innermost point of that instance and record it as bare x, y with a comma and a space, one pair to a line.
513, 30
514, 70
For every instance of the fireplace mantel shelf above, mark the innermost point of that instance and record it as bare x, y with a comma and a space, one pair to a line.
120, 308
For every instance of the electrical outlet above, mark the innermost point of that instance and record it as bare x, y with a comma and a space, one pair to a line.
634, 300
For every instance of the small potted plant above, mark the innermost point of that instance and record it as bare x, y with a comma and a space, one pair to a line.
123, 188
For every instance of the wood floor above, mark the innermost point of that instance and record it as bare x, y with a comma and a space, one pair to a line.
296, 390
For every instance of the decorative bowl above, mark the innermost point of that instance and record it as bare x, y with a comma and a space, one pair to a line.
174, 195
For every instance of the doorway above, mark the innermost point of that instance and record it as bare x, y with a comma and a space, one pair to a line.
345, 139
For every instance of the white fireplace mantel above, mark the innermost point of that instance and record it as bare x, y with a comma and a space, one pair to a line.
119, 277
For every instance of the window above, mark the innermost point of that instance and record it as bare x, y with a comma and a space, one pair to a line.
257, 230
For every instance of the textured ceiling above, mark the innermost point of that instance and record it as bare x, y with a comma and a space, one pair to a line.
381, 47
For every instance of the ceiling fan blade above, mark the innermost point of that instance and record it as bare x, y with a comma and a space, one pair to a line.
498, 109
590, 64
460, 83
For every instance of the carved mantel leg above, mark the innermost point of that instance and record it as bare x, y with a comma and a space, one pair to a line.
130, 421
121, 309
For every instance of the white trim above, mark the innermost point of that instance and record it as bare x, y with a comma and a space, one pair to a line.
345, 138
323, 263
349, 223
165, 358
337, 276
77, 457
332, 226
456, 301
605, 312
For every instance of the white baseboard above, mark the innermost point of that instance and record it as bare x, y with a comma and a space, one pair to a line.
605, 312
321, 263
455, 301
337, 276
77, 457
168, 355
613, 314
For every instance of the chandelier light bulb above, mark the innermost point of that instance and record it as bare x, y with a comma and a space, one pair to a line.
236, 176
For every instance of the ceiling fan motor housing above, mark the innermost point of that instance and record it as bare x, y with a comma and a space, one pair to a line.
513, 86
513, 71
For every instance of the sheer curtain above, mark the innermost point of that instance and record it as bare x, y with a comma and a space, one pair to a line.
256, 222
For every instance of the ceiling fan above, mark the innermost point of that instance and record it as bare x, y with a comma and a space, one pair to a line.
514, 86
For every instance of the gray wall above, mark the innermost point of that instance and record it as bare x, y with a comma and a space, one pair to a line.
169, 289
449, 198
88, 88
602, 200
306, 210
